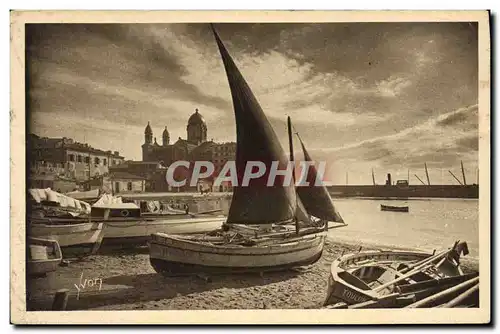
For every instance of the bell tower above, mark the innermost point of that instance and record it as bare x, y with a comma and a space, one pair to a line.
166, 137
148, 141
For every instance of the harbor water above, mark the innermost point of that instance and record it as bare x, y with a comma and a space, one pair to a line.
429, 224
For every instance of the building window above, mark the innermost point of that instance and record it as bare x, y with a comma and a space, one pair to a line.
96, 160
129, 186
71, 157
87, 160
104, 162
79, 158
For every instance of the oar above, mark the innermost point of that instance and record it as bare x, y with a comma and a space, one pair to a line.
432, 257
429, 259
435, 282
405, 276
203, 212
456, 289
416, 268
462, 297
336, 226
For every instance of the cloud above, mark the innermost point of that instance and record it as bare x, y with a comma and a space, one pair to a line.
379, 94
430, 142
463, 117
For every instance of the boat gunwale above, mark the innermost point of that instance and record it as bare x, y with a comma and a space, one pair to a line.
168, 240
94, 226
336, 268
76, 221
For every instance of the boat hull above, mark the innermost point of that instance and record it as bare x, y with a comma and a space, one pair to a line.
344, 287
78, 239
394, 208
44, 256
172, 255
140, 231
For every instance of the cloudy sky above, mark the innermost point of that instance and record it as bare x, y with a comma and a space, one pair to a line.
387, 96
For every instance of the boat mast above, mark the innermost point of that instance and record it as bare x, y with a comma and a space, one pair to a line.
419, 179
463, 172
427, 174
373, 177
292, 160
456, 178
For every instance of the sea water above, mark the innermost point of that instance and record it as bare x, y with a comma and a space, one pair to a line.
430, 223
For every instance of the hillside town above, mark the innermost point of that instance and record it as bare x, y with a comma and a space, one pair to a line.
65, 165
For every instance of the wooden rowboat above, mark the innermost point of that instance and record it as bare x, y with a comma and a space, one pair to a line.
394, 208
43, 256
377, 279
76, 238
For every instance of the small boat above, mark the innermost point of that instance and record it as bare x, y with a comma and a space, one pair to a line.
139, 231
43, 256
394, 208
55, 216
76, 238
126, 224
268, 228
376, 279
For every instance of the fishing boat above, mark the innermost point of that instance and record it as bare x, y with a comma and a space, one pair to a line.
138, 231
75, 238
268, 228
376, 279
126, 224
394, 208
43, 256
54, 216
111, 221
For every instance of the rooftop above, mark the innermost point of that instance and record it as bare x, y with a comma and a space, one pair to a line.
64, 142
125, 176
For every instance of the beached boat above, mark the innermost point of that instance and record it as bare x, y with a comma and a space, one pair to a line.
376, 279
43, 256
55, 216
253, 238
74, 238
126, 224
139, 231
394, 208
112, 221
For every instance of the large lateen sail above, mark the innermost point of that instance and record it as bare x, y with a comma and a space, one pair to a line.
316, 199
256, 203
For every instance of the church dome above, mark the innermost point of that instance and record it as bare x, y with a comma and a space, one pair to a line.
196, 119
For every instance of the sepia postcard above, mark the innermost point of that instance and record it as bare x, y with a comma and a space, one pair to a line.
250, 167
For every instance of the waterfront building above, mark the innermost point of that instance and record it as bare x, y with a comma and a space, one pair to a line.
67, 158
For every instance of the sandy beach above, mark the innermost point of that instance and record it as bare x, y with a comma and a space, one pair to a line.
124, 280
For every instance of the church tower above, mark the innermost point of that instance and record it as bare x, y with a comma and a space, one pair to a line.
148, 141
166, 137
196, 129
